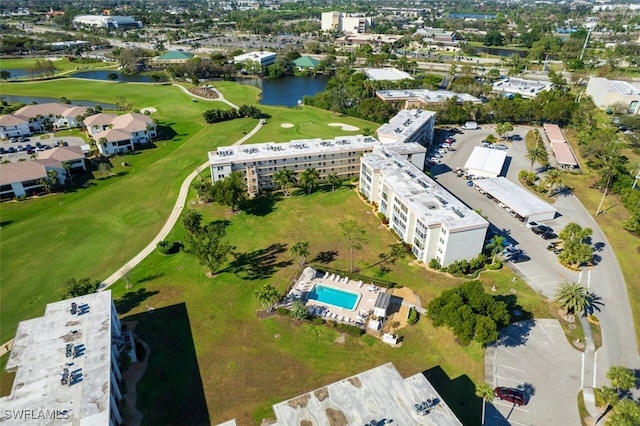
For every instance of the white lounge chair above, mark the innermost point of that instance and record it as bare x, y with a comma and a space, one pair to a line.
326, 274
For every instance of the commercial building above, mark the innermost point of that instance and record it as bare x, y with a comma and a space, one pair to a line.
409, 125
519, 86
376, 41
105, 21
259, 162
379, 394
565, 156
611, 93
345, 22
174, 57
485, 162
436, 224
438, 37
418, 98
66, 365
262, 58
387, 74
520, 202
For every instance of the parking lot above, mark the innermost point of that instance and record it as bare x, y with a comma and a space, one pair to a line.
46, 141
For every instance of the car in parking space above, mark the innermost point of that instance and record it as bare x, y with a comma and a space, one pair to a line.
19, 148
541, 229
549, 236
433, 161
14, 139
511, 251
469, 183
11, 150
442, 151
500, 147
513, 395
531, 224
436, 155
486, 145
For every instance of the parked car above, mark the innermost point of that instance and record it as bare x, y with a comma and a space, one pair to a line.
531, 224
2, 150
541, 229
549, 236
511, 250
442, 151
469, 183
501, 147
14, 139
11, 150
486, 145
19, 148
515, 396
38, 145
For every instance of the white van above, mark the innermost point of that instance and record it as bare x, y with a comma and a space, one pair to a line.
470, 125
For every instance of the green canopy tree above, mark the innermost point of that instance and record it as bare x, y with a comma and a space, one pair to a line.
626, 413
208, 246
192, 221
301, 250
355, 234
622, 378
267, 296
75, 288
230, 191
609, 398
485, 391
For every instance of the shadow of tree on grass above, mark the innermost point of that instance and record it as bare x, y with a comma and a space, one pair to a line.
258, 264
133, 299
325, 257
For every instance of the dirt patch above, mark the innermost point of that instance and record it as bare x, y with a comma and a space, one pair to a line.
306, 423
336, 417
322, 394
286, 125
300, 401
355, 382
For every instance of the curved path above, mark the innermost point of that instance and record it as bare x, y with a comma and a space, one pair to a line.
220, 97
171, 221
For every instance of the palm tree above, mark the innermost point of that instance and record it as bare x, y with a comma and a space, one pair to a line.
308, 179
496, 244
622, 378
334, 180
552, 180
609, 397
300, 249
267, 296
485, 392
573, 297
284, 179
356, 235
536, 153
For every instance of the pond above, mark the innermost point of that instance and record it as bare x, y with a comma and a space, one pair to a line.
287, 91
104, 75
43, 100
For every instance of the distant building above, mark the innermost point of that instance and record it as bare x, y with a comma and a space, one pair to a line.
56, 114
109, 22
561, 149
434, 222
376, 41
380, 393
524, 88
438, 37
13, 125
306, 63
409, 125
346, 22
66, 365
609, 93
417, 98
387, 74
262, 58
170, 58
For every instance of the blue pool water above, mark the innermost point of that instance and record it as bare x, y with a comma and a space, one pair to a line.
333, 296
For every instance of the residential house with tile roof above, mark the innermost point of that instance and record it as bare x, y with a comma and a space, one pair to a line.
13, 125
119, 133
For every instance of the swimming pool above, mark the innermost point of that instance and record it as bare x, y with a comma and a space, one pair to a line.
334, 297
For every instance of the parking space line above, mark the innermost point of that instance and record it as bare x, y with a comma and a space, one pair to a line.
512, 368
511, 404
514, 355
547, 334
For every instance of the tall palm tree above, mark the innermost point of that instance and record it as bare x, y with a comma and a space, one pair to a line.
496, 244
485, 392
284, 179
622, 378
300, 249
536, 153
552, 180
573, 297
308, 179
334, 180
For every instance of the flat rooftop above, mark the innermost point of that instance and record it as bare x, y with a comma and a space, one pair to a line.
376, 394
39, 356
564, 154
486, 159
522, 86
517, 198
554, 133
253, 56
425, 95
620, 86
387, 74
429, 201
294, 148
405, 123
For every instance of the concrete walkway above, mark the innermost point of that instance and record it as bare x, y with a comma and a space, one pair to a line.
171, 221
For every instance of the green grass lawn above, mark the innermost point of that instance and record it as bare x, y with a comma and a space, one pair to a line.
246, 364
62, 65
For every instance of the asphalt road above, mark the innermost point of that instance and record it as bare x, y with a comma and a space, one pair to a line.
543, 272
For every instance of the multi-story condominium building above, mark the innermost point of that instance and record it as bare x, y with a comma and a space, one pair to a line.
409, 125
65, 364
264, 59
346, 22
435, 223
259, 162
610, 93
106, 21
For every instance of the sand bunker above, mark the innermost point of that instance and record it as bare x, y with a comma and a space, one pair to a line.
346, 127
150, 109
286, 125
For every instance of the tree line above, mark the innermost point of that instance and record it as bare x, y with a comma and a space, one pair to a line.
219, 115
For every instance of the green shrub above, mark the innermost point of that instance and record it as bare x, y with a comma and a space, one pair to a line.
317, 321
434, 264
351, 330
283, 311
495, 265
164, 247
413, 316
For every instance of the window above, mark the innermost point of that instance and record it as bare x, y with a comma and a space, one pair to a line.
220, 168
444, 231
442, 240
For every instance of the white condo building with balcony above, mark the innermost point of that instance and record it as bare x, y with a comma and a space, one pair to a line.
409, 125
425, 215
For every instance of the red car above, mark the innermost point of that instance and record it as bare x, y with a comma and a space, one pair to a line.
510, 394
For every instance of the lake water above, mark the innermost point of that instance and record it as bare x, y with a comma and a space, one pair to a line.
43, 100
104, 75
287, 91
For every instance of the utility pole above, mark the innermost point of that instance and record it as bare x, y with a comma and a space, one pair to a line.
586, 41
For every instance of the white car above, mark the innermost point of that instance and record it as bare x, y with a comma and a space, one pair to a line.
442, 151
531, 224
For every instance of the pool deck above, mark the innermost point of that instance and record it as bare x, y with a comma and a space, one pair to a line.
357, 316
